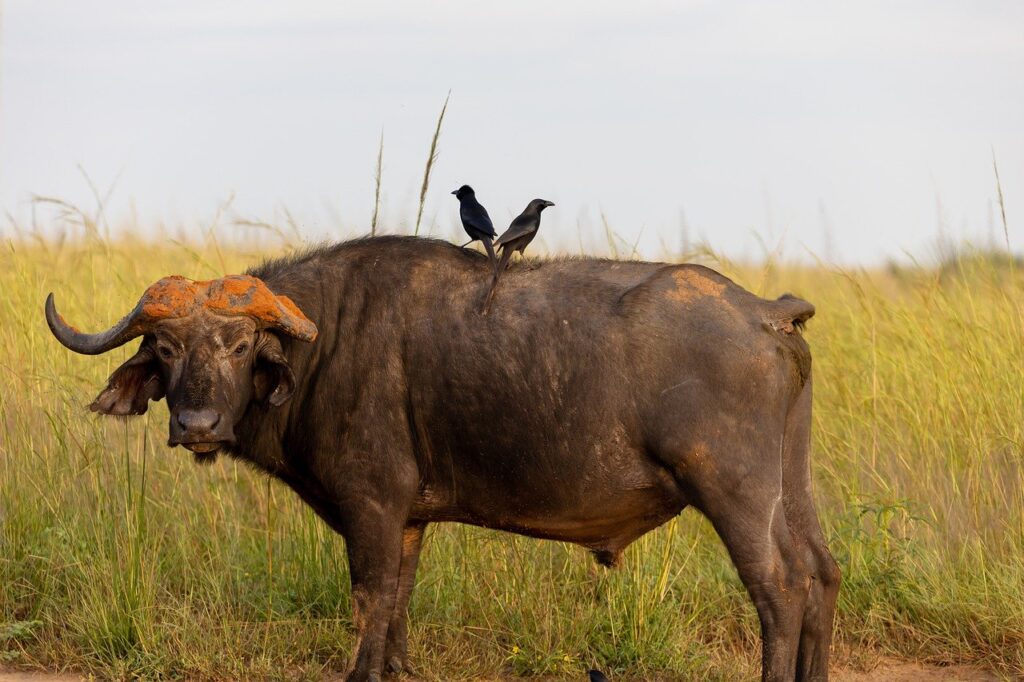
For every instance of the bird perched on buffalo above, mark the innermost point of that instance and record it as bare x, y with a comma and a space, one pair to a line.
516, 238
521, 232
475, 221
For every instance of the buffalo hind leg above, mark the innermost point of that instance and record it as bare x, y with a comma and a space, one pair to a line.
816, 632
771, 565
374, 544
396, 648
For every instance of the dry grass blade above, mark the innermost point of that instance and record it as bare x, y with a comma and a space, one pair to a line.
100, 218
610, 236
1002, 204
430, 163
69, 213
376, 186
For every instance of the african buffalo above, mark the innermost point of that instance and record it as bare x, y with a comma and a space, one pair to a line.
595, 401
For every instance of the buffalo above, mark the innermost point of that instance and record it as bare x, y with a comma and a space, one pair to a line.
596, 401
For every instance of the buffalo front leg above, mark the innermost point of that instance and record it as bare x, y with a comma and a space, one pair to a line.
374, 546
396, 649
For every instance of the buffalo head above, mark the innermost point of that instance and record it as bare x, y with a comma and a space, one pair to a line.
210, 347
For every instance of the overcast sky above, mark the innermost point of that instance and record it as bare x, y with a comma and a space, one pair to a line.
855, 130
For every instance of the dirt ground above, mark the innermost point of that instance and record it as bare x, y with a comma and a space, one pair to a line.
903, 671
885, 671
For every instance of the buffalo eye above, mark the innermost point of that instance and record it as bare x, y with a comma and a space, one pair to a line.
241, 348
165, 352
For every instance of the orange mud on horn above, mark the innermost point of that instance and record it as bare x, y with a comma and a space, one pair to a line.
177, 296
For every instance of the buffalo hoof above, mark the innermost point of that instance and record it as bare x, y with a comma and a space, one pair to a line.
397, 665
357, 677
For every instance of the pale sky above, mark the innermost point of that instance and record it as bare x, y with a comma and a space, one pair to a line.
854, 131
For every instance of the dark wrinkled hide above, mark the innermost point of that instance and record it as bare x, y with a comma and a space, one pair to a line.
644, 386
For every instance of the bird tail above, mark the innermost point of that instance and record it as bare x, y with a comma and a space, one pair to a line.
506, 253
490, 252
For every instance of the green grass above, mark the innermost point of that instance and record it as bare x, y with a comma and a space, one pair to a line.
120, 557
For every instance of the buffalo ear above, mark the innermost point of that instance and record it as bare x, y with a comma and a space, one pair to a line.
273, 380
131, 386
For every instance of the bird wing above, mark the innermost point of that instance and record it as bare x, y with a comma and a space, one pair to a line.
520, 227
476, 217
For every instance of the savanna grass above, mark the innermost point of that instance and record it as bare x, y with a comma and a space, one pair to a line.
120, 557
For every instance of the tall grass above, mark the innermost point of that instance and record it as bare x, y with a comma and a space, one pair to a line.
378, 177
431, 158
120, 557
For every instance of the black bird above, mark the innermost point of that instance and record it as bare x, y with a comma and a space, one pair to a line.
597, 676
475, 221
516, 238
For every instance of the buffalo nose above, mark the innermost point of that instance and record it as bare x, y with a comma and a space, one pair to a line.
198, 421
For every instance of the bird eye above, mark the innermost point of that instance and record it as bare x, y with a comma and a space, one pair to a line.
241, 348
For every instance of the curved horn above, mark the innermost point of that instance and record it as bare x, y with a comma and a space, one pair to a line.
176, 296
292, 321
173, 296
93, 344
248, 295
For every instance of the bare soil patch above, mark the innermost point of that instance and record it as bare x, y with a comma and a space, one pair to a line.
35, 676
890, 670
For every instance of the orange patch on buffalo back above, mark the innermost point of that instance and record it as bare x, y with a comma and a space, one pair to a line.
701, 459
691, 285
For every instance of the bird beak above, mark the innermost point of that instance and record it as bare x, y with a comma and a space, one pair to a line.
455, 192
549, 203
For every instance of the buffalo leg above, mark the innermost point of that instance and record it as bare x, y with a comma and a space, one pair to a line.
744, 502
771, 566
816, 631
752, 481
374, 546
396, 648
